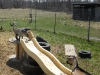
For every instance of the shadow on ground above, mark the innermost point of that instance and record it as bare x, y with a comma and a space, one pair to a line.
16, 65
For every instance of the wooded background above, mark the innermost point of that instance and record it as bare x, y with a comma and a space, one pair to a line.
53, 5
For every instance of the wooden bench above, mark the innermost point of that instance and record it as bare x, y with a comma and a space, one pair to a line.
70, 50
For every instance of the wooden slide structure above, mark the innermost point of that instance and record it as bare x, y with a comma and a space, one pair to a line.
47, 61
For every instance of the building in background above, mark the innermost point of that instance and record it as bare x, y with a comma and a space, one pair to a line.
84, 11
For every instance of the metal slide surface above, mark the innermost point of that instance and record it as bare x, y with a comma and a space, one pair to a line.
47, 61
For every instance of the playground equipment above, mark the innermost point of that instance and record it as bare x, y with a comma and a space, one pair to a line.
72, 60
20, 53
70, 50
47, 61
84, 54
76, 69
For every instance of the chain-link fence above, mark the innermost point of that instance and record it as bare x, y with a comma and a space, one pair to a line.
56, 22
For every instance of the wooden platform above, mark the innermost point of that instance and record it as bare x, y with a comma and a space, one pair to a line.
13, 40
20, 53
70, 50
47, 61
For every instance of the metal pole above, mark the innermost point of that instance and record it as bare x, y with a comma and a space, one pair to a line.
55, 24
35, 18
30, 12
89, 18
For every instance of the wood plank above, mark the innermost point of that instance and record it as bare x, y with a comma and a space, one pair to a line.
70, 50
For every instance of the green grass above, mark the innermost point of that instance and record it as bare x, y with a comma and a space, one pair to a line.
67, 32
57, 42
46, 20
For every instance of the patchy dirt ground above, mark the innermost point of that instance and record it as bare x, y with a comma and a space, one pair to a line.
7, 67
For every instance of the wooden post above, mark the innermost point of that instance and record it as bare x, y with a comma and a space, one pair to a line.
17, 51
21, 51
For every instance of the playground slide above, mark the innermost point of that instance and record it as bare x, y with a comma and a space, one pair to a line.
47, 61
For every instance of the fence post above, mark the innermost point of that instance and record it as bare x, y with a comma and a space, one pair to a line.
35, 18
55, 24
30, 12
89, 18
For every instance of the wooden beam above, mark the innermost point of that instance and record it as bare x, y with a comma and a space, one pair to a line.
70, 50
